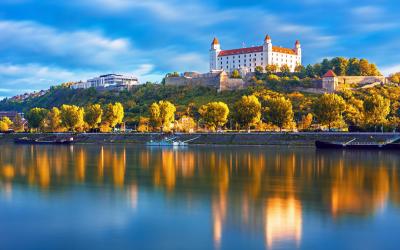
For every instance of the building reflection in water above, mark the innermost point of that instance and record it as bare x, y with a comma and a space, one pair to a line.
283, 220
260, 190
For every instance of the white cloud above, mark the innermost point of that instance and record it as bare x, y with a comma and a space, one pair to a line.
77, 47
390, 69
169, 10
368, 11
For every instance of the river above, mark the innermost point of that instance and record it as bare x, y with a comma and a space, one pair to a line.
201, 197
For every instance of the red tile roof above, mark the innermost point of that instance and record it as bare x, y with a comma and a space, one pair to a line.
241, 51
267, 37
255, 50
283, 50
330, 73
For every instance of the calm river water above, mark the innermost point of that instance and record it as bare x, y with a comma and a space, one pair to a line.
133, 197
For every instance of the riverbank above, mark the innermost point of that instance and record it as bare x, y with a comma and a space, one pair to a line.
288, 139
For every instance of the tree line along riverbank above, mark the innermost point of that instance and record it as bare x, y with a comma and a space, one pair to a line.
283, 139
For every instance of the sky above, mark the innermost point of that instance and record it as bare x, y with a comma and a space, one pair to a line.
47, 42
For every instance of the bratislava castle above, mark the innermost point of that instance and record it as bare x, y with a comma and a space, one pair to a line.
247, 59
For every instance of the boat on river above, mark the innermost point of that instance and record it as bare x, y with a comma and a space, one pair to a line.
393, 144
61, 141
169, 142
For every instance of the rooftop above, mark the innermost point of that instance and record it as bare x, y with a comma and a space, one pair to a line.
255, 50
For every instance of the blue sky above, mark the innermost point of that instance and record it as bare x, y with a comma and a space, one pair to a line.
46, 42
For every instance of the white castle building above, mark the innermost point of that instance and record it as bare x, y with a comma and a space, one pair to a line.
247, 59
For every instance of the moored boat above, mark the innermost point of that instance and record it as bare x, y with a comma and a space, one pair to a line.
62, 141
169, 142
393, 144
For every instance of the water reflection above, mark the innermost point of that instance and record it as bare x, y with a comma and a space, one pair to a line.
262, 190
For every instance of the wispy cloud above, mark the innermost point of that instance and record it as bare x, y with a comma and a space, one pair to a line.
80, 48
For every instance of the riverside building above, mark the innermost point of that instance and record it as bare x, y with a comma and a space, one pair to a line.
108, 81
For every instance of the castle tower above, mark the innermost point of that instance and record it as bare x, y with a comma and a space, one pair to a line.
214, 51
267, 50
297, 48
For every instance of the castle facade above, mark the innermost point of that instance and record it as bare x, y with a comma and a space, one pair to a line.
247, 59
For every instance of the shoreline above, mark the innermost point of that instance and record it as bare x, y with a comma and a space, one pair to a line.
229, 138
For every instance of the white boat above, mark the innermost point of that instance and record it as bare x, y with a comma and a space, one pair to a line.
169, 142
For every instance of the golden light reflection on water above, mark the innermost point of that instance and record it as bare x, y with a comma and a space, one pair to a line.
257, 189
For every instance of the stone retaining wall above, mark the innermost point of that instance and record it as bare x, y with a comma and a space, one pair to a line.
299, 139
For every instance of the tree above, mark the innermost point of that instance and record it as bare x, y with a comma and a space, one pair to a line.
5, 124
364, 67
306, 121
259, 71
162, 114
143, 124
113, 115
300, 70
214, 114
154, 111
376, 109
310, 71
271, 68
285, 70
279, 112
36, 117
339, 65
236, 74
247, 111
353, 68
395, 78
72, 117
325, 66
329, 109
18, 125
185, 124
93, 115
54, 120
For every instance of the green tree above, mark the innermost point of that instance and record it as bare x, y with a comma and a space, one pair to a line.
236, 74
36, 117
376, 109
247, 111
329, 109
214, 114
54, 120
340, 65
259, 71
162, 114
279, 111
18, 125
72, 117
318, 70
310, 71
325, 66
113, 114
93, 115
300, 70
353, 68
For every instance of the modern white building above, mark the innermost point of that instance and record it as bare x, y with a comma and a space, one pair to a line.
108, 81
247, 59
